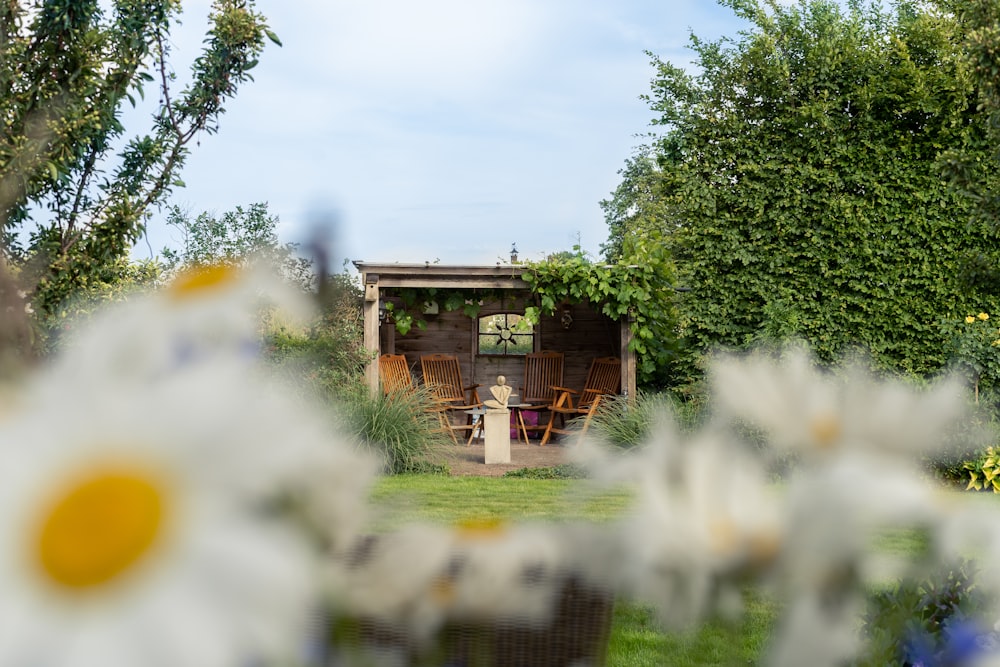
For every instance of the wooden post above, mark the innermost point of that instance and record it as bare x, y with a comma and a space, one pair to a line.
370, 281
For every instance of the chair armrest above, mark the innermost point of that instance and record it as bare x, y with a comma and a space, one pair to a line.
566, 389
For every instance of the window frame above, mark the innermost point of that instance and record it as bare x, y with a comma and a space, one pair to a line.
514, 340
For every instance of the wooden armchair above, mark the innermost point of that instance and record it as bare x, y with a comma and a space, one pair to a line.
394, 374
543, 372
603, 378
443, 375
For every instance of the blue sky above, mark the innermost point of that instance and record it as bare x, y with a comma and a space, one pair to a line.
439, 130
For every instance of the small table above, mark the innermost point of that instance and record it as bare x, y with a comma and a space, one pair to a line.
519, 425
477, 423
515, 410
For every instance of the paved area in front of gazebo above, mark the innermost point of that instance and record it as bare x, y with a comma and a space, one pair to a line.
469, 459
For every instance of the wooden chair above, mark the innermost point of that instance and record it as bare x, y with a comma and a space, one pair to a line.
543, 372
603, 378
443, 375
394, 373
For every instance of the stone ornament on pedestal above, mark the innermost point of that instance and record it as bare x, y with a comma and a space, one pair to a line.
496, 423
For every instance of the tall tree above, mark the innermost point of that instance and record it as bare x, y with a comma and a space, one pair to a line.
636, 210
70, 208
237, 237
801, 171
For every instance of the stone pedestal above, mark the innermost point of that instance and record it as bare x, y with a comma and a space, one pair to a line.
496, 435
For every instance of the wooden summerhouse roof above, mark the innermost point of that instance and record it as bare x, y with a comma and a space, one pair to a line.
376, 276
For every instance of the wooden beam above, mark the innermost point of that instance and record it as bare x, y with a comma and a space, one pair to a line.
455, 282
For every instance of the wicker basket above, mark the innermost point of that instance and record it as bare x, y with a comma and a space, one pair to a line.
577, 636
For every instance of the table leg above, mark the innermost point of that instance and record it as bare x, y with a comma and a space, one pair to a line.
477, 424
520, 426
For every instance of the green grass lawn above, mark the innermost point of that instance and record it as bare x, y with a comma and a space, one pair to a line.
454, 499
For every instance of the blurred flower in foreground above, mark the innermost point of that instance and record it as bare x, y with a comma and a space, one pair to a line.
705, 517
706, 514
144, 504
205, 314
806, 411
422, 576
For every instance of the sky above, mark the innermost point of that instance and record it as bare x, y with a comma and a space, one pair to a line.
440, 130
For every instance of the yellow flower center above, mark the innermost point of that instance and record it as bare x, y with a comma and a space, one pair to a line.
723, 535
442, 591
99, 527
480, 529
825, 430
765, 547
202, 279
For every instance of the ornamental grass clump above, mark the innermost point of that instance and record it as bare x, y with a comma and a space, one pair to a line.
627, 422
399, 429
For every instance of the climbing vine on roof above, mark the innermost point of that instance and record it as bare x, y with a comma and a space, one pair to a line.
641, 292
414, 299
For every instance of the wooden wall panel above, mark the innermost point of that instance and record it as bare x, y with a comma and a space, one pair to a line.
590, 335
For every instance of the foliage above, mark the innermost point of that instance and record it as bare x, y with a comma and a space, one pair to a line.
980, 28
329, 354
972, 343
67, 68
926, 621
641, 293
984, 471
398, 428
236, 237
637, 210
800, 172
564, 471
412, 301
119, 279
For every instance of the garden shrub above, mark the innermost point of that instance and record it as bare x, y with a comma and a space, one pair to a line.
328, 353
624, 423
564, 471
397, 428
927, 621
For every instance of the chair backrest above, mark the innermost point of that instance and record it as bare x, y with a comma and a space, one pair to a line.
542, 371
394, 372
443, 375
604, 377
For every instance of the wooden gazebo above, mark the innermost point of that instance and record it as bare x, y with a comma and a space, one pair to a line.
580, 331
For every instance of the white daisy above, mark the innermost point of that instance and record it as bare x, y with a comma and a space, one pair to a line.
422, 576
804, 410
203, 315
703, 513
133, 527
